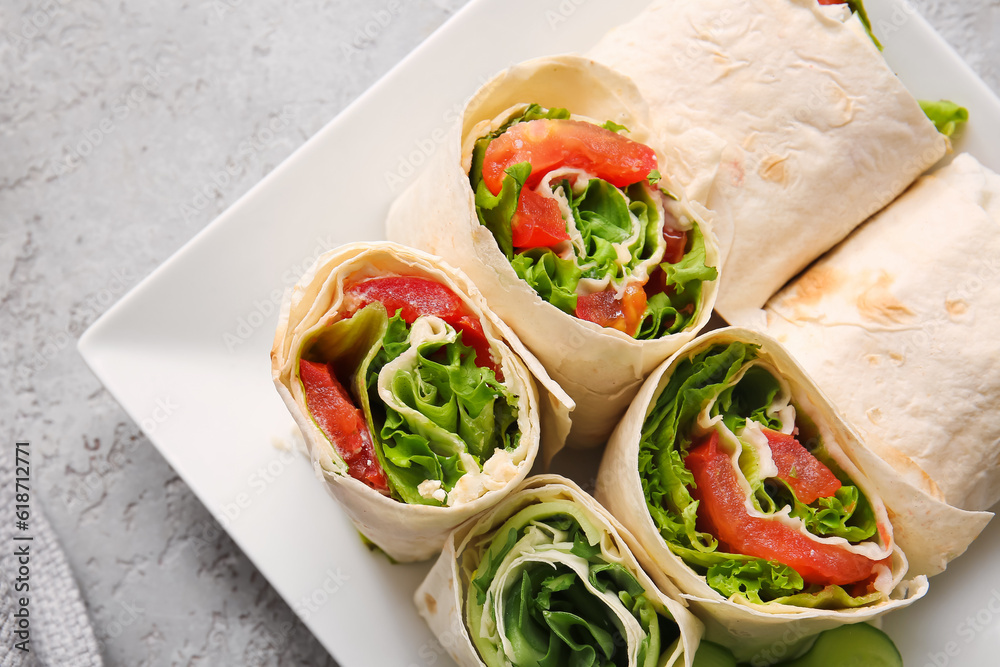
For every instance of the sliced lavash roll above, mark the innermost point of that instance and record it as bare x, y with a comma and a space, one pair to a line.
790, 107
599, 367
770, 621
897, 325
576, 562
313, 324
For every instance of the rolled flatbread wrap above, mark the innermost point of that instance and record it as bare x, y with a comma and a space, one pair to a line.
552, 195
749, 493
897, 326
420, 408
548, 577
788, 108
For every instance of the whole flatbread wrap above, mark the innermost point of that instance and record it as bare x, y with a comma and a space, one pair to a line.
549, 577
600, 367
898, 326
420, 408
750, 494
791, 109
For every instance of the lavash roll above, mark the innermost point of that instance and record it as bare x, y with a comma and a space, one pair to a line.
790, 110
898, 326
762, 631
409, 532
445, 596
600, 368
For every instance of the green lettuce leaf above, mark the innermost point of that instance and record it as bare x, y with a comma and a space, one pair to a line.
557, 611
846, 514
667, 314
665, 440
752, 577
604, 215
858, 7
947, 116
495, 211
553, 278
461, 408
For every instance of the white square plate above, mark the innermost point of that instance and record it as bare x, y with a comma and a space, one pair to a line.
196, 334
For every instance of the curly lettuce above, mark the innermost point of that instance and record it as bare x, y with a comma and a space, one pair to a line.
541, 592
609, 222
740, 391
947, 116
443, 408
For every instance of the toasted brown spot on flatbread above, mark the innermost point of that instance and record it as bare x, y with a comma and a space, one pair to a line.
772, 168
909, 469
430, 603
878, 304
812, 286
956, 307
874, 415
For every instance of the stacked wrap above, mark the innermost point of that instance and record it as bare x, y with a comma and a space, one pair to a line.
433, 425
548, 577
599, 367
790, 108
897, 325
642, 476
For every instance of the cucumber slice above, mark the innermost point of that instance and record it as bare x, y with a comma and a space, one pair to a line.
713, 655
858, 645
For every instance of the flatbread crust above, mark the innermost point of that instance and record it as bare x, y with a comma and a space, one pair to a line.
794, 114
406, 532
898, 325
600, 368
752, 630
440, 599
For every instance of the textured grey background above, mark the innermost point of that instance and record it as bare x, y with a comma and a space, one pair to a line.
113, 119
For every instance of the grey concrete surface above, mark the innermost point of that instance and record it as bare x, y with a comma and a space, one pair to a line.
113, 116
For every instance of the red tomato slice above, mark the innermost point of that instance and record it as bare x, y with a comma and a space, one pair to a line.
722, 512
676, 240
343, 424
832, 2
550, 144
413, 297
537, 222
811, 479
604, 309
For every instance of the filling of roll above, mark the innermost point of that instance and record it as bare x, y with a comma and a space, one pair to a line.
854, 8
547, 588
426, 416
576, 208
742, 487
